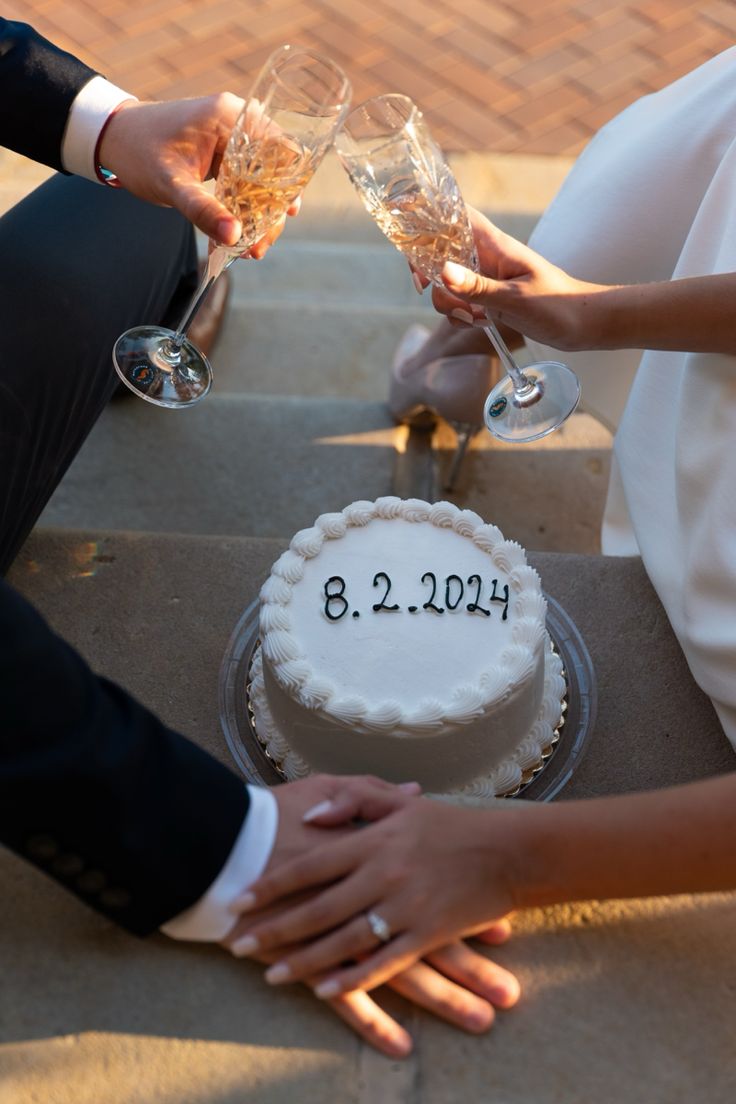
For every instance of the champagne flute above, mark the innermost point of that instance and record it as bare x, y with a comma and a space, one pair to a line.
408, 188
289, 122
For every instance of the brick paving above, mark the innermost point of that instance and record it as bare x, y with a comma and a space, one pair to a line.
521, 76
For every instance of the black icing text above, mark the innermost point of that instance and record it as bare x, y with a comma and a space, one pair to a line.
471, 595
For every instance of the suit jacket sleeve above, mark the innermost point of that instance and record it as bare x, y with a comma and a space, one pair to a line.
96, 791
38, 84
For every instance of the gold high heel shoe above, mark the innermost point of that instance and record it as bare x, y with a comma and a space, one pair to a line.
452, 388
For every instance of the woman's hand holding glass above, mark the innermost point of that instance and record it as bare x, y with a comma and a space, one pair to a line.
519, 290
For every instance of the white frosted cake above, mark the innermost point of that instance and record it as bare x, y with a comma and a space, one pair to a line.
407, 640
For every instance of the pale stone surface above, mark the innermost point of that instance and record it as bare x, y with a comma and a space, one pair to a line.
249, 465
627, 1003
548, 494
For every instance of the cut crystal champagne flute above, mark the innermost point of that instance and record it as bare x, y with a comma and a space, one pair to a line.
409, 190
288, 123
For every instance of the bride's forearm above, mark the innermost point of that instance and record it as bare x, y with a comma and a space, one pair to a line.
636, 845
690, 315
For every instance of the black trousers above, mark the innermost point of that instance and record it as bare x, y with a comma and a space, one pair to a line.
80, 263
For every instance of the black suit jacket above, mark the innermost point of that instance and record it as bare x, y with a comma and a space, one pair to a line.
94, 789
38, 83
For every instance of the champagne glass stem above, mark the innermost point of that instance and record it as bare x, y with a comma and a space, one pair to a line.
218, 260
519, 380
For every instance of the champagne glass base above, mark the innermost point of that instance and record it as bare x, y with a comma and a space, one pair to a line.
552, 395
145, 362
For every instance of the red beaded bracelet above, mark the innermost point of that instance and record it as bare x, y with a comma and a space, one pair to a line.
104, 175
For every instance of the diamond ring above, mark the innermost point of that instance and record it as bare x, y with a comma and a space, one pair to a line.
378, 926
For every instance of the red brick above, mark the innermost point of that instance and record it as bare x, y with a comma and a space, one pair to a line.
134, 19
346, 47
720, 12
493, 74
470, 81
538, 36
658, 10
363, 14
620, 31
597, 114
427, 17
484, 128
403, 40
668, 42
566, 102
496, 18
567, 139
532, 75
483, 49
633, 66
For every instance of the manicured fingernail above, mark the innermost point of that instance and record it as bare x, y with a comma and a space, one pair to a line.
248, 945
417, 282
462, 316
317, 811
410, 787
455, 273
278, 973
327, 989
244, 903
225, 231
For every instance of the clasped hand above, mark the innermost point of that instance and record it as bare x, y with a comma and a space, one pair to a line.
421, 865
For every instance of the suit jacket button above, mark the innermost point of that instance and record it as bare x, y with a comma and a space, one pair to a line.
67, 865
41, 847
115, 898
91, 881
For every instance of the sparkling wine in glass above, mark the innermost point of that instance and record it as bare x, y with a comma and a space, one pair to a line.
289, 122
409, 190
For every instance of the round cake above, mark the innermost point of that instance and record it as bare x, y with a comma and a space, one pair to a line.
407, 640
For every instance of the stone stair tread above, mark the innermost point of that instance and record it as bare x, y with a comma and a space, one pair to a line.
334, 273
240, 464
309, 349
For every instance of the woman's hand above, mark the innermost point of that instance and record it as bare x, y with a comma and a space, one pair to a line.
518, 289
429, 870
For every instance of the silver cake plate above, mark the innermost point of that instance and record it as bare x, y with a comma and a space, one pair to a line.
542, 783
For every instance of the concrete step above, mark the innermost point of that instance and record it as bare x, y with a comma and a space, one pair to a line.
245, 464
265, 466
549, 495
311, 349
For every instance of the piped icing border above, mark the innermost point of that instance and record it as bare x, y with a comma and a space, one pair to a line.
293, 669
505, 779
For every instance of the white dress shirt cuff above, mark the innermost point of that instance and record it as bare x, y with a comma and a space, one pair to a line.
209, 919
89, 112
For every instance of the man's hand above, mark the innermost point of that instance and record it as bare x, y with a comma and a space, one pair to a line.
454, 982
432, 872
163, 153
